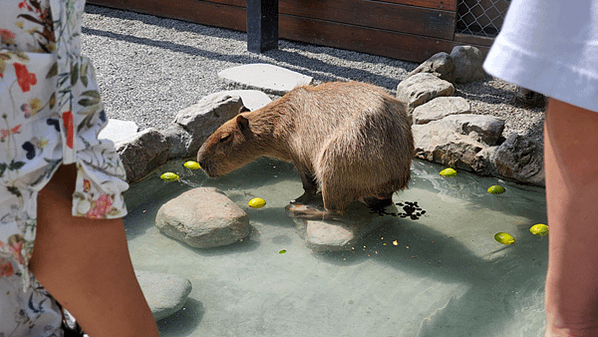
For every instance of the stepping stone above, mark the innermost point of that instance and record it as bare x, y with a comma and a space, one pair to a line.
165, 293
265, 77
203, 218
117, 130
339, 235
252, 99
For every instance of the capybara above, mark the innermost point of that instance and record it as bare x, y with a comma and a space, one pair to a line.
352, 138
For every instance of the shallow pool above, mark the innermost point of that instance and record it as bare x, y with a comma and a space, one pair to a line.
440, 275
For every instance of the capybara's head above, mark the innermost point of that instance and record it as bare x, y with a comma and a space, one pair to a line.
230, 147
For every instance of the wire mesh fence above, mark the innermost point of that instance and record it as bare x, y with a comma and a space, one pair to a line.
481, 17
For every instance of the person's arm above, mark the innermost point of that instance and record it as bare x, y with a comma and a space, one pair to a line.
85, 265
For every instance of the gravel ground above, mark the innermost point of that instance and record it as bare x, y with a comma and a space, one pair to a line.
150, 68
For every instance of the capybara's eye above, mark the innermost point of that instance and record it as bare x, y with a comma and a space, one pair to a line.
224, 138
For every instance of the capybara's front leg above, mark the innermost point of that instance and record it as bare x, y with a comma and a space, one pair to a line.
310, 188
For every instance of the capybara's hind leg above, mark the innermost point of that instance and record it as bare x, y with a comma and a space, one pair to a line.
378, 202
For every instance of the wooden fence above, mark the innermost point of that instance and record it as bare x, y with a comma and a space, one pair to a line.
411, 30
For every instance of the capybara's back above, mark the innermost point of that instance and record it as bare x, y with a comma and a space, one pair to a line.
352, 138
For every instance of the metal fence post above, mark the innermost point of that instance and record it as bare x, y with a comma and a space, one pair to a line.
262, 25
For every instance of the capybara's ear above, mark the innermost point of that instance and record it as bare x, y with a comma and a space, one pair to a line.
242, 123
243, 109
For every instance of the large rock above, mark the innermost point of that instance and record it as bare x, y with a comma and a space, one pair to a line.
520, 159
193, 125
203, 218
458, 141
439, 108
421, 88
440, 65
468, 64
165, 293
142, 153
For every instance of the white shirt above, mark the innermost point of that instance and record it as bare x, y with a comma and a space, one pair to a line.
551, 47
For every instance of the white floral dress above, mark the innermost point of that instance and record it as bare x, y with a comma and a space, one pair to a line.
50, 114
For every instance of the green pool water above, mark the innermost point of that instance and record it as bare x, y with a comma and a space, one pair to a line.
441, 275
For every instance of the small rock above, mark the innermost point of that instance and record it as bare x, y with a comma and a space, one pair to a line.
165, 293
439, 108
440, 65
265, 77
117, 130
203, 218
142, 153
468, 64
529, 99
252, 99
340, 235
421, 88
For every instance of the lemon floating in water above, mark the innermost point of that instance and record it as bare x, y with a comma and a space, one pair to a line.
257, 203
282, 251
504, 238
496, 189
169, 176
539, 229
192, 165
448, 172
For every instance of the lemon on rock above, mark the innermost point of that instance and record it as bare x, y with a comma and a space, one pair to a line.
539, 229
257, 203
192, 165
496, 189
504, 238
169, 176
448, 172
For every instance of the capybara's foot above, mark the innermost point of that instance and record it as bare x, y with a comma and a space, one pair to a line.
376, 203
308, 199
309, 212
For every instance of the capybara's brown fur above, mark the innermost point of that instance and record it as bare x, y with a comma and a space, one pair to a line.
351, 138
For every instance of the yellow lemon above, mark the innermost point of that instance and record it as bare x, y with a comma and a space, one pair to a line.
257, 203
169, 176
496, 189
448, 172
504, 238
192, 165
539, 229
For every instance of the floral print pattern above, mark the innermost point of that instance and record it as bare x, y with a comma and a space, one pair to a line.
50, 114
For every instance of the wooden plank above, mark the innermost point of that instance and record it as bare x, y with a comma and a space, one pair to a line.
449, 5
238, 3
472, 39
367, 40
202, 12
376, 14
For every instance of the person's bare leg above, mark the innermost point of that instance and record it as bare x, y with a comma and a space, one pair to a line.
85, 265
571, 164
